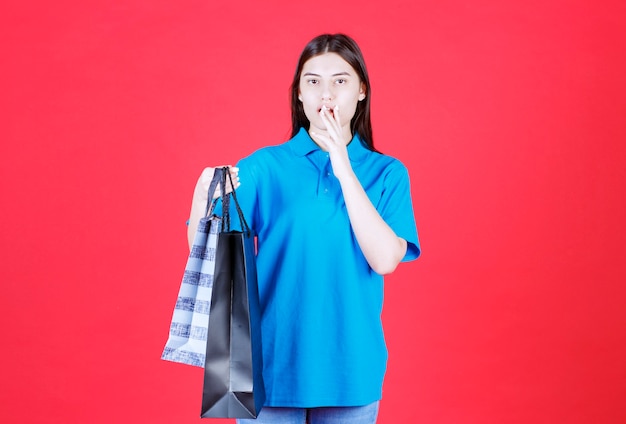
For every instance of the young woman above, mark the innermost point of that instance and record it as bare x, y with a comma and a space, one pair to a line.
332, 216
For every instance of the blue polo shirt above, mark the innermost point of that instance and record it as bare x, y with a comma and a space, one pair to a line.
323, 342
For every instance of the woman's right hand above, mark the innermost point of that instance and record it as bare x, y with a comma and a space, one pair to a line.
201, 192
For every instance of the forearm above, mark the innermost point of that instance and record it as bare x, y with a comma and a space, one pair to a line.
382, 248
198, 207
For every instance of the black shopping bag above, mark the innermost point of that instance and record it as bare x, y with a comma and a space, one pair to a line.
233, 381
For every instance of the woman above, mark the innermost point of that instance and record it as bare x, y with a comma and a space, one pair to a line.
332, 216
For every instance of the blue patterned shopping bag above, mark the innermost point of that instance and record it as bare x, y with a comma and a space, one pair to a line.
188, 331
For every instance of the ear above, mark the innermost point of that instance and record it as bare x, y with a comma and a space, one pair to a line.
299, 96
362, 92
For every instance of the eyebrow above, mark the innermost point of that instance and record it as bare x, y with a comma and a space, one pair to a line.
311, 74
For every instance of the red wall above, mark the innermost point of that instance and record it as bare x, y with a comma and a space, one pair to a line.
509, 116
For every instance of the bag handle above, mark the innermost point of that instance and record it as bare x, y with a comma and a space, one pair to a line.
210, 204
242, 220
219, 177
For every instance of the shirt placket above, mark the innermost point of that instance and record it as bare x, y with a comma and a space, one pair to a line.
325, 182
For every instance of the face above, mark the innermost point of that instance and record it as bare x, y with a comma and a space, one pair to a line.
328, 80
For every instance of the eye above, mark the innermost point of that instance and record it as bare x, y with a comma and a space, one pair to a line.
340, 81
312, 81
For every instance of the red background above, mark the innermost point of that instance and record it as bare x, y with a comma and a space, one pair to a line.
509, 116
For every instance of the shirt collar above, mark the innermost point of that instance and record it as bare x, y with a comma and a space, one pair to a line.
302, 144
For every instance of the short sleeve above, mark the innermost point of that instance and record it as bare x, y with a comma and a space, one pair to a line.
396, 208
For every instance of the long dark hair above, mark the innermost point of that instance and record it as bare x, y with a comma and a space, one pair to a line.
348, 49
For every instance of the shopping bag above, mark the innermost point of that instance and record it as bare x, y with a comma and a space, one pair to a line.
233, 381
188, 330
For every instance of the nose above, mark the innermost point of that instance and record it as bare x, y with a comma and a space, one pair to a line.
327, 93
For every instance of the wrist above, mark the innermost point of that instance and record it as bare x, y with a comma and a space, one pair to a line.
347, 177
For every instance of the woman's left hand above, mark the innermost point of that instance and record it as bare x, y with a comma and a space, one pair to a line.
382, 248
334, 142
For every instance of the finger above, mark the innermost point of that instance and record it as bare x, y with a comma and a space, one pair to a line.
234, 173
324, 115
336, 116
335, 122
322, 140
327, 119
332, 117
234, 176
232, 181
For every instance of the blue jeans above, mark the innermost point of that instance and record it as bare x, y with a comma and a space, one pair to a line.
336, 415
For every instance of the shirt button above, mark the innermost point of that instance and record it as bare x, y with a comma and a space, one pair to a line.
328, 174
325, 190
